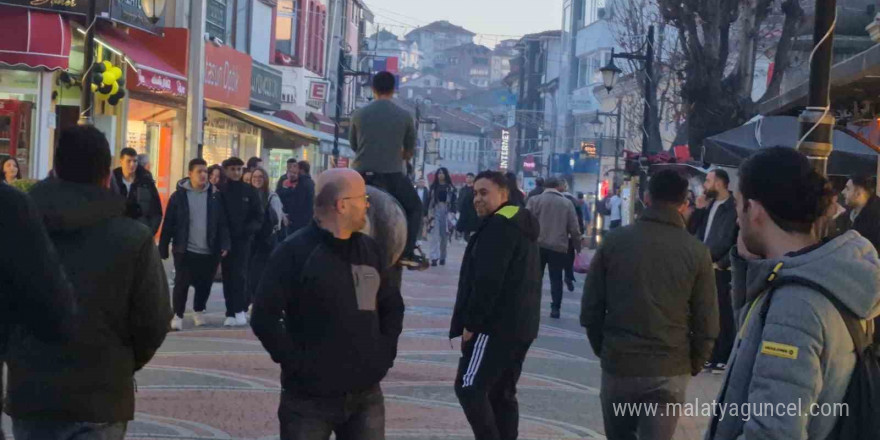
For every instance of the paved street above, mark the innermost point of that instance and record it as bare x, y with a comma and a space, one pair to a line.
216, 383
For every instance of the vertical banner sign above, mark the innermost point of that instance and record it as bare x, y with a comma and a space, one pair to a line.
505, 149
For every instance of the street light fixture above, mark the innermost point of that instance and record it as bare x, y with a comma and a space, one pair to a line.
596, 124
610, 73
154, 9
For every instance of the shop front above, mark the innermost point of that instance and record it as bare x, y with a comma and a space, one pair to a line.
228, 75
33, 46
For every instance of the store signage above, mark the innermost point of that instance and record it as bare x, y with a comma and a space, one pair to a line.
62, 6
215, 20
220, 122
589, 149
129, 12
265, 87
505, 149
227, 76
529, 163
156, 82
317, 93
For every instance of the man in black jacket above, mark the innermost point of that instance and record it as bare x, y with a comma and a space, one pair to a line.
86, 385
329, 312
195, 226
539, 188
297, 195
497, 309
651, 332
244, 214
864, 208
715, 218
34, 292
136, 184
468, 220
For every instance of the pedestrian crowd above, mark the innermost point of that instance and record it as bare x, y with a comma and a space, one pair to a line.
767, 281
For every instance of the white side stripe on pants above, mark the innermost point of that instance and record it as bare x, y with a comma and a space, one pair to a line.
476, 359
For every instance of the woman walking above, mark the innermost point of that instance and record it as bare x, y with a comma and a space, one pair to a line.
274, 222
10, 169
440, 200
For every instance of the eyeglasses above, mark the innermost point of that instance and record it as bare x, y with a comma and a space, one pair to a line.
366, 197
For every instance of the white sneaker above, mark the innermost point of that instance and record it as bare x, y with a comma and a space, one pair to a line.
176, 323
241, 319
229, 322
199, 318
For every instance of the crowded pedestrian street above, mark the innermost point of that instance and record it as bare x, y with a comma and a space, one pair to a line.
216, 383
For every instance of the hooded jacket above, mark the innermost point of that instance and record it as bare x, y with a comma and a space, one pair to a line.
558, 220
499, 287
649, 305
328, 311
176, 229
122, 315
867, 222
820, 353
142, 202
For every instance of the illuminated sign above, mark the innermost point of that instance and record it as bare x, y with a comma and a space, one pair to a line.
505, 149
589, 149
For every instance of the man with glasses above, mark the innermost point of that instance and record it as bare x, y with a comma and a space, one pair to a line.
330, 366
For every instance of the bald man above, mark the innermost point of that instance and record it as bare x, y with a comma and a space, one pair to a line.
342, 315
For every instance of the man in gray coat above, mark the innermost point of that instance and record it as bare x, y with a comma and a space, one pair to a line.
798, 357
559, 225
650, 312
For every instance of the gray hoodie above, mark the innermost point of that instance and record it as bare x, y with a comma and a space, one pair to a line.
803, 355
198, 217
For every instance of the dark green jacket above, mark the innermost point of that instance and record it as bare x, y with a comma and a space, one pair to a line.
649, 302
122, 314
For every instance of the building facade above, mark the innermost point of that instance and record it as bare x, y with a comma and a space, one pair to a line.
436, 37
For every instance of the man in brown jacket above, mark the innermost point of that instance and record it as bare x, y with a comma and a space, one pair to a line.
651, 313
558, 220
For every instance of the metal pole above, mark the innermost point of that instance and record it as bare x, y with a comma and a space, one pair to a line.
594, 239
649, 80
86, 98
340, 79
195, 99
817, 123
617, 139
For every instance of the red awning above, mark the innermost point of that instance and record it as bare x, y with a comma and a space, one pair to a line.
154, 72
33, 39
289, 116
323, 123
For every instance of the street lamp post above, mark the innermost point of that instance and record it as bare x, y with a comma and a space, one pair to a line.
610, 73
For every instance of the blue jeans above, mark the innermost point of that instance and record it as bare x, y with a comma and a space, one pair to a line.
49, 430
355, 416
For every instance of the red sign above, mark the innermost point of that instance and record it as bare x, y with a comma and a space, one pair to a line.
156, 82
318, 91
529, 163
342, 163
227, 76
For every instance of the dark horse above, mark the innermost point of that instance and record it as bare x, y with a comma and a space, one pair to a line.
386, 223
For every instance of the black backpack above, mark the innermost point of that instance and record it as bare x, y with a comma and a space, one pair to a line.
862, 399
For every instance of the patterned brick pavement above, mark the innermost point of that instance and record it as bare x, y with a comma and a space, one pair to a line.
216, 383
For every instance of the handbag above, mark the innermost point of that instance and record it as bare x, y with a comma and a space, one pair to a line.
582, 261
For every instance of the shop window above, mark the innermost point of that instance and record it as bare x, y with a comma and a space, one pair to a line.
288, 28
18, 101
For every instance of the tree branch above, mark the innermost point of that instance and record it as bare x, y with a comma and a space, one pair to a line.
794, 13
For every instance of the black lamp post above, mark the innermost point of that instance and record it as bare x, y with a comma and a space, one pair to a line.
153, 9
610, 73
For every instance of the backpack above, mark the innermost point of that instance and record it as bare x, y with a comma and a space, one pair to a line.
862, 396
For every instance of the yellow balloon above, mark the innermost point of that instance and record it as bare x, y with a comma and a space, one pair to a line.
94, 87
117, 72
114, 89
107, 65
109, 79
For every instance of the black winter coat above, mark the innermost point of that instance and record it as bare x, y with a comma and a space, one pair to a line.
468, 220
724, 230
175, 230
867, 222
499, 287
122, 316
342, 313
142, 203
299, 202
243, 209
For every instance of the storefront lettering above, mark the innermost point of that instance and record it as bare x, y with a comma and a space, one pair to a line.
64, 3
160, 83
224, 76
227, 124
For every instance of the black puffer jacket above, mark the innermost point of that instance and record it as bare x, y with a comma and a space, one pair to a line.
499, 287
468, 221
329, 313
175, 231
142, 203
122, 315
244, 212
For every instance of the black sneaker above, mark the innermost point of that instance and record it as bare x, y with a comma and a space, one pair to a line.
442, 262
414, 261
708, 366
570, 285
433, 263
554, 313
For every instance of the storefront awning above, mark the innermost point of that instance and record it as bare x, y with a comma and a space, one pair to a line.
277, 124
324, 123
154, 72
34, 39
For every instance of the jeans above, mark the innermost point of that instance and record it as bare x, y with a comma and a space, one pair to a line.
569, 265
235, 267
619, 390
485, 385
49, 430
399, 186
197, 270
355, 416
440, 231
557, 262
727, 331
